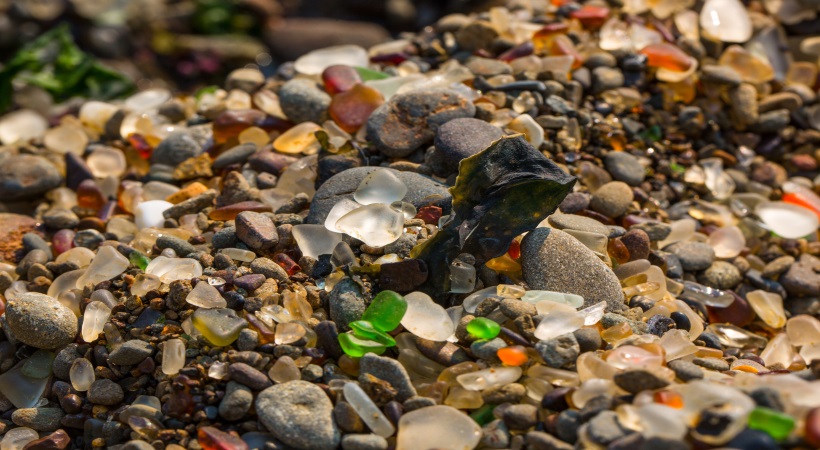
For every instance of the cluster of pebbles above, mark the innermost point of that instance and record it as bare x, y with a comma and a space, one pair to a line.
235, 269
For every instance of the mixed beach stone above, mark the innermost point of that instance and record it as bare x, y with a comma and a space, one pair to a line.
333, 256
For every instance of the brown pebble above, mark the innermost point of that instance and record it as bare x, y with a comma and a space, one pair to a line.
637, 242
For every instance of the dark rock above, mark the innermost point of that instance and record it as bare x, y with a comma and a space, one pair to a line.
303, 101
459, 139
25, 176
403, 276
176, 148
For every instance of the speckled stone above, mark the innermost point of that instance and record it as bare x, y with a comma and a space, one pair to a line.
41, 321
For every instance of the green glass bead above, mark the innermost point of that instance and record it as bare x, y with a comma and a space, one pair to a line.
774, 423
483, 328
356, 347
483, 415
386, 311
366, 330
138, 259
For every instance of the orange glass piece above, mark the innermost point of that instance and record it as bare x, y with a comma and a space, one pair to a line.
796, 199
618, 251
744, 368
667, 56
543, 38
617, 332
706, 352
668, 398
266, 335
562, 45
89, 195
682, 92
230, 123
211, 438
287, 263
513, 356
515, 249
231, 211
504, 264
140, 145
591, 16
350, 109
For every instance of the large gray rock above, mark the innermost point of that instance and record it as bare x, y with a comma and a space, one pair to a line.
299, 414
23, 176
553, 260
459, 139
41, 321
421, 191
407, 121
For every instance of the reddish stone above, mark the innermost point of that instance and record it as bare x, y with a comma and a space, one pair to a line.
14, 226
429, 214
738, 313
812, 433
591, 16
351, 109
211, 438
340, 78
89, 195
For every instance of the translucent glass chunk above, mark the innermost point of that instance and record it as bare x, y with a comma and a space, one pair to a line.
376, 225
81, 374
173, 356
315, 240
204, 295
106, 265
94, 319
380, 186
173, 269
426, 319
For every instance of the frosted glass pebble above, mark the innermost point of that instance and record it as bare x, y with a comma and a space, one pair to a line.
173, 355
284, 370
367, 410
662, 421
681, 231
533, 132
108, 264
380, 186
145, 282
803, 329
315, 240
106, 161
106, 297
95, 115
405, 208
173, 269
94, 319
593, 314
535, 296
299, 139
315, 62
81, 374
65, 282
66, 139
204, 295
778, 350
726, 20
218, 370
558, 323
437, 427
473, 300
727, 242
17, 438
149, 214
489, 378
147, 99
376, 225
238, 254
426, 319
21, 125
341, 208
768, 306
157, 190
787, 220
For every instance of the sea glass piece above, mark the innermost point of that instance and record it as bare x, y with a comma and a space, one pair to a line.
106, 161
173, 269
727, 242
340, 78
778, 350
788, 220
536, 296
488, 378
667, 56
768, 306
376, 224
107, 264
351, 109
211, 438
315, 240
299, 139
173, 356
315, 62
204, 295
473, 300
462, 277
284, 370
143, 283
81, 374
220, 326
726, 20
558, 323
750, 67
289, 332
356, 347
18, 438
483, 328
341, 208
94, 319
149, 214
803, 329
386, 310
426, 319
437, 427
21, 390
380, 186
367, 410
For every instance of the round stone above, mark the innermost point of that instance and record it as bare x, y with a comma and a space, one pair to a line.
177, 147
553, 260
612, 199
303, 101
693, 255
624, 167
299, 414
459, 139
24, 176
722, 275
105, 392
408, 121
41, 321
